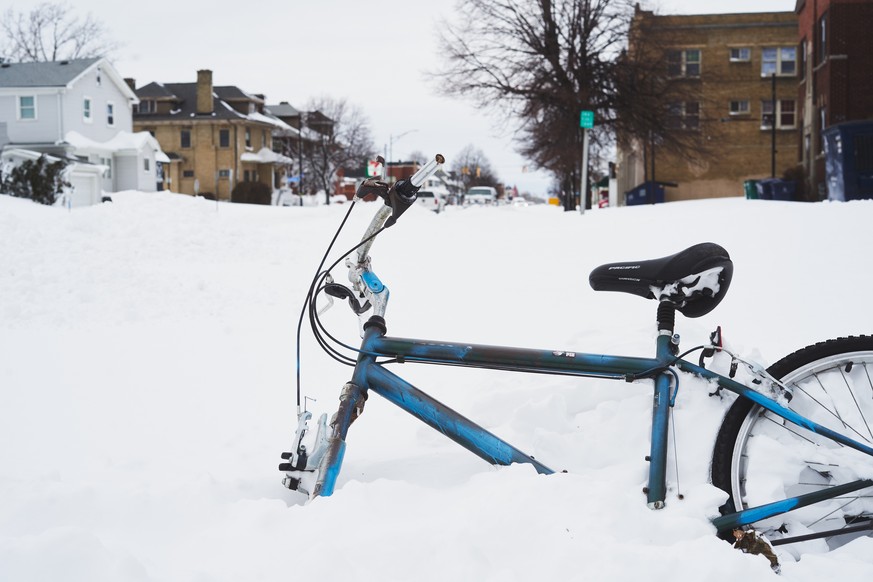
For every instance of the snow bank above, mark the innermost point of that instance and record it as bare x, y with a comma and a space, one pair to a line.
147, 390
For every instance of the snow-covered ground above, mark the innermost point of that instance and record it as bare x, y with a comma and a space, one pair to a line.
146, 391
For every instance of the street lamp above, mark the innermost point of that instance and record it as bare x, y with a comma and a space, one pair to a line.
390, 149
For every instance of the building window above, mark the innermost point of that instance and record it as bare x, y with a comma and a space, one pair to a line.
27, 107
684, 63
822, 125
741, 55
741, 107
263, 138
110, 114
224, 174
108, 163
802, 55
146, 166
187, 173
248, 138
224, 138
684, 115
822, 37
779, 61
86, 110
246, 176
146, 106
786, 114
185, 139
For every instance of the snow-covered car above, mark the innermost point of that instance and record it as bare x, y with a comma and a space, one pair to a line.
432, 199
288, 198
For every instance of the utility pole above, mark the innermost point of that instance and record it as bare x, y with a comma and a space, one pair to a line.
586, 122
773, 127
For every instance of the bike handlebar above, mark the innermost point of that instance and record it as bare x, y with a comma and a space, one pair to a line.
397, 199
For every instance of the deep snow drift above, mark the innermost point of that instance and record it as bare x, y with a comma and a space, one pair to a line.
146, 390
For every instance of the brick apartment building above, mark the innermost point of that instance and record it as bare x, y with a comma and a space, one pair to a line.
733, 65
836, 76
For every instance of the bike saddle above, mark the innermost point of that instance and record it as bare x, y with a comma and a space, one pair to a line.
694, 280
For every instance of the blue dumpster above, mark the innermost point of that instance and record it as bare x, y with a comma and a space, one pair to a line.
765, 188
783, 189
645, 193
849, 160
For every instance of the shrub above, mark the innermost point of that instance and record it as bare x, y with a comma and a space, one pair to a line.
40, 180
252, 193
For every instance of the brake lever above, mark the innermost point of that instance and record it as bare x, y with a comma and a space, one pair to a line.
343, 292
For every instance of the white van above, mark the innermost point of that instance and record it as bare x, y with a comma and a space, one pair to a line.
432, 199
480, 195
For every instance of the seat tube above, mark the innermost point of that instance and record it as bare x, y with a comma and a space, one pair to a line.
656, 492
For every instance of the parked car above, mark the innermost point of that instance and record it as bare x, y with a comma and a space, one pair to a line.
480, 195
432, 199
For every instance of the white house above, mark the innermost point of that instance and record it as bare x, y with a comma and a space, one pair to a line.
80, 110
84, 179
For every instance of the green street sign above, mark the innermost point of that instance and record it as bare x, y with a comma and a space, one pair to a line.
586, 119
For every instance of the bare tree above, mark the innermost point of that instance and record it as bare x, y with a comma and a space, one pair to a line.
339, 136
419, 157
51, 32
473, 168
542, 62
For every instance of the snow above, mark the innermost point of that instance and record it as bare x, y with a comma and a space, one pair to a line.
147, 390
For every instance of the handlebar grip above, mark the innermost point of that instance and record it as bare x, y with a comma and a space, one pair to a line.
425, 171
403, 194
400, 197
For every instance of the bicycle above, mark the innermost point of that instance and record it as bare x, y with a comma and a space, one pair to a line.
793, 452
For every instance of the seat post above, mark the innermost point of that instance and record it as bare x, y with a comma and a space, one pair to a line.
666, 318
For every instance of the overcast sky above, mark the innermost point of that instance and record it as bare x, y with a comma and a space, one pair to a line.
371, 52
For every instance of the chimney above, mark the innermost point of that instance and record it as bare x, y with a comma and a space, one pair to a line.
204, 92
130, 83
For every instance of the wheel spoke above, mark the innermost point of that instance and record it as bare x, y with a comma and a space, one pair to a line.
857, 405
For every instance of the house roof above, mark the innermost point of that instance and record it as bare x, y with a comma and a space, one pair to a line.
45, 74
185, 97
283, 110
232, 93
59, 74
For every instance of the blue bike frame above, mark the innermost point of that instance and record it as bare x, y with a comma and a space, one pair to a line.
369, 375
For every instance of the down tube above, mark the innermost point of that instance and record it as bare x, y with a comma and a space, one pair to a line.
440, 417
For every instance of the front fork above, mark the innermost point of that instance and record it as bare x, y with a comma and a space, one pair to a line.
352, 400
315, 473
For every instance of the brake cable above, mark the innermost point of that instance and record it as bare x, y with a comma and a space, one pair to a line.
315, 288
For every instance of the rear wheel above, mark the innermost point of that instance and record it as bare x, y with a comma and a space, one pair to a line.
760, 458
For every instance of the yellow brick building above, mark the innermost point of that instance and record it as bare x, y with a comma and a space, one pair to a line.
732, 66
215, 137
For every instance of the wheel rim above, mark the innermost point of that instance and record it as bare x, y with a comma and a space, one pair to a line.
773, 459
